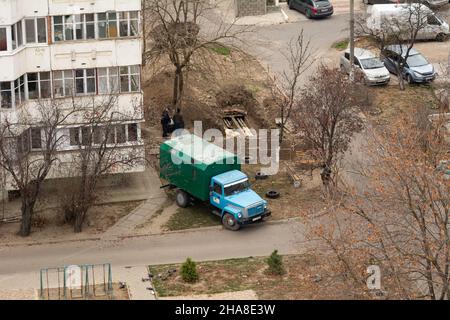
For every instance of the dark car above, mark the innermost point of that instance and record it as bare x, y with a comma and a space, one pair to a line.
416, 68
312, 8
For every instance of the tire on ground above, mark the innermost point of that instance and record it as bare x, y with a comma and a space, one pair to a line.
230, 222
182, 199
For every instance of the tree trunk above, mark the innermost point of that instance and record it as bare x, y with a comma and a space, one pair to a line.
79, 220
27, 215
178, 87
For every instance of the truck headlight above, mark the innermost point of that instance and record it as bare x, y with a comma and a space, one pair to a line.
239, 215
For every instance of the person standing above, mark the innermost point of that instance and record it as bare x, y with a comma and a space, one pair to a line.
178, 122
165, 121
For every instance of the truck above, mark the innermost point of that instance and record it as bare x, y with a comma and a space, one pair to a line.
200, 170
382, 16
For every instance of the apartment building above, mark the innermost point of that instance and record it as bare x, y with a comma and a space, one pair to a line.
65, 50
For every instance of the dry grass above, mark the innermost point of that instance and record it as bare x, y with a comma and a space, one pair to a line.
305, 278
293, 202
393, 103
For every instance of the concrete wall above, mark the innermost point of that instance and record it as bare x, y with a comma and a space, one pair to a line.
250, 7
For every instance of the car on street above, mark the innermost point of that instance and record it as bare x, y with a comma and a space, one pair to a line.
429, 3
312, 8
368, 66
388, 18
416, 67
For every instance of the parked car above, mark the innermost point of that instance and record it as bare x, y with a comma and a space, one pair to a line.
429, 3
416, 69
312, 8
370, 67
433, 27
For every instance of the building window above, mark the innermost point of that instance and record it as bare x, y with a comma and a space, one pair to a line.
130, 79
107, 25
39, 85
16, 35
108, 80
85, 81
58, 28
89, 26
3, 40
63, 83
19, 90
129, 23
74, 27
36, 138
36, 30
74, 134
5, 95
30, 31
133, 132
41, 26
121, 135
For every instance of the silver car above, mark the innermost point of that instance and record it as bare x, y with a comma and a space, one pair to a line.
368, 66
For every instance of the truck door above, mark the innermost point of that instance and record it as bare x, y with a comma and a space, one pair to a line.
216, 195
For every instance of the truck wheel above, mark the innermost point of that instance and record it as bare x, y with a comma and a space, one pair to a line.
182, 199
230, 222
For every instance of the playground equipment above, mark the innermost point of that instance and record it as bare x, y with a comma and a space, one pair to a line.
87, 281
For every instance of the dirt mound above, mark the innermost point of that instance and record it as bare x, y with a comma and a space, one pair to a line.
215, 80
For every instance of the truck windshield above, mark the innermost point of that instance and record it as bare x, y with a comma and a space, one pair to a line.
236, 188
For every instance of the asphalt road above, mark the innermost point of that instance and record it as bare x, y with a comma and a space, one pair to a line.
207, 244
268, 43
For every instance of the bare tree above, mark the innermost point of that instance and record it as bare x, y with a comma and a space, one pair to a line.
28, 152
327, 117
399, 33
99, 144
286, 91
178, 30
401, 221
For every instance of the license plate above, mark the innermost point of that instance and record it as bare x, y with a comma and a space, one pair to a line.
256, 219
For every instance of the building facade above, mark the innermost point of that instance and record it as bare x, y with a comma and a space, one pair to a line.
69, 50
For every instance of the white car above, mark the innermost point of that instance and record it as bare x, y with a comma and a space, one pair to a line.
368, 66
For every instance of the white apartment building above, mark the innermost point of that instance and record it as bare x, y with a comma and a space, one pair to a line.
60, 49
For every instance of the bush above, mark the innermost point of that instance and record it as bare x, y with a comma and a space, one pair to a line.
189, 271
275, 264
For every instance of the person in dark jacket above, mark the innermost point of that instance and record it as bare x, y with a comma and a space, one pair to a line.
178, 120
165, 121
178, 123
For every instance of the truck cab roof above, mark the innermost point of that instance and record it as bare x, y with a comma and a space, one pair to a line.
230, 177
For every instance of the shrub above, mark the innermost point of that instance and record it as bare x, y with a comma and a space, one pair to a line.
275, 264
189, 271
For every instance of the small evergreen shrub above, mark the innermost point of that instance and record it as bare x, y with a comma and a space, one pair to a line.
189, 271
275, 264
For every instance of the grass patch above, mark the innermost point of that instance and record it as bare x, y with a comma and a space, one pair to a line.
220, 49
341, 44
393, 102
232, 275
197, 216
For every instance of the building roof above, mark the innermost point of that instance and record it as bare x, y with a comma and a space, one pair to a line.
230, 177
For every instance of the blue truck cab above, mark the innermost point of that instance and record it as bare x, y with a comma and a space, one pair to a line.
238, 204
